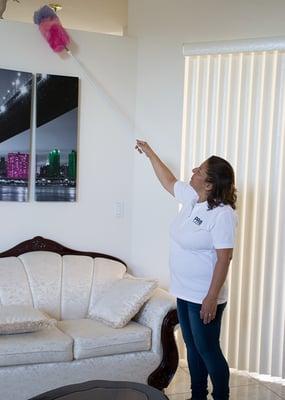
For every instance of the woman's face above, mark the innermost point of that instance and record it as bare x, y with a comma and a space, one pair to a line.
198, 179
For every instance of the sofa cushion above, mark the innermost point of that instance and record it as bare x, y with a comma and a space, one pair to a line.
106, 272
122, 301
77, 275
83, 280
94, 339
20, 319
14, 285
48, 345
43, 270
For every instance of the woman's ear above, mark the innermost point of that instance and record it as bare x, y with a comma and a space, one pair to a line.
208, 186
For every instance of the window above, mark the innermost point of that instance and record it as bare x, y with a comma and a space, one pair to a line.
234, 107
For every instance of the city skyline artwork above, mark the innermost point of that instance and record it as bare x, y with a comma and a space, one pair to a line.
15, 135
56, 138
55, 160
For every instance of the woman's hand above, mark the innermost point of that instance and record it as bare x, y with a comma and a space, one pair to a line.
143, 147
208, 309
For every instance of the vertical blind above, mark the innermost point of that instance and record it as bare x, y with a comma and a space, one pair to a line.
234, 107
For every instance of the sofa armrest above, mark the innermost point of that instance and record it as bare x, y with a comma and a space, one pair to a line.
153, 313
159, 314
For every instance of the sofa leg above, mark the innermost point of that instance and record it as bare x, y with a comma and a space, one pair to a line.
161, 377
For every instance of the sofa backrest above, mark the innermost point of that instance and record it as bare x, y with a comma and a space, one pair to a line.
64, 286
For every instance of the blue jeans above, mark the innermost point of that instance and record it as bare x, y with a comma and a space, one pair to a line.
204, 354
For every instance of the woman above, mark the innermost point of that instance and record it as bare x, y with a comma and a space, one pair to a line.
202, 241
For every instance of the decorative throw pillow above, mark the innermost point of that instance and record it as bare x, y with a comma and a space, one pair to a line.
21, 319
122, 301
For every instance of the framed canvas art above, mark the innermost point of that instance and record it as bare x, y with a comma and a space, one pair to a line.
15, 134
56, 138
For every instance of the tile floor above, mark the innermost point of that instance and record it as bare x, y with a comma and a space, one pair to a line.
242, 386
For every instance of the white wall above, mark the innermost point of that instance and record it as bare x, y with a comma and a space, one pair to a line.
161, 27
107, 16
105, 143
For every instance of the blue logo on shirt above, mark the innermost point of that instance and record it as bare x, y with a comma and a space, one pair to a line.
197, 221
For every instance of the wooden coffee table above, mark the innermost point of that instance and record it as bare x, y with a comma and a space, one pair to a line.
103, 390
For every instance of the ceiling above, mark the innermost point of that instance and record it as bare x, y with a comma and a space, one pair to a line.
104, 16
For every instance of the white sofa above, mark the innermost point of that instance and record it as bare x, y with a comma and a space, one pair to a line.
63, 283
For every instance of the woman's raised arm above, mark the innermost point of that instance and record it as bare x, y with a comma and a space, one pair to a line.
165, 176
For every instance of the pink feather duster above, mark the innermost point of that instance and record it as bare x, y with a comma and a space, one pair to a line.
55, 34
51, 29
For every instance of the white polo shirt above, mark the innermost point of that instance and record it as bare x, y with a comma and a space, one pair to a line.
195, 235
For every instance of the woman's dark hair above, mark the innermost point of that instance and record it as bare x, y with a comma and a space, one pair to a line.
221, 175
